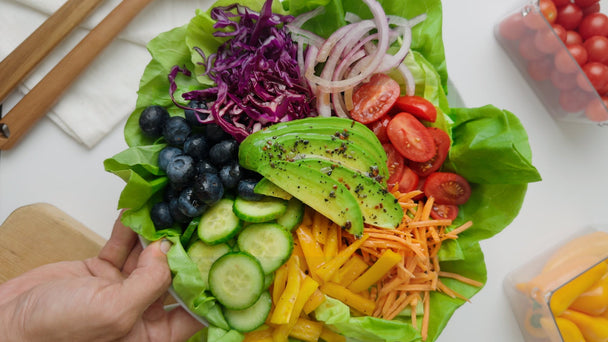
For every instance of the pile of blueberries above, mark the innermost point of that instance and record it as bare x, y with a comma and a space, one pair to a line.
201, 164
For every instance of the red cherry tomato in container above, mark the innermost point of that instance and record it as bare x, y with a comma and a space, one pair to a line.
512, 27
597, 73
447, 188
442, 144
597, 110
444, 211
573, 37
585, 3
597, 48
395, 163
418, 106
374, 98
560, 31
410, 137
548, 9
595, 24
569, 16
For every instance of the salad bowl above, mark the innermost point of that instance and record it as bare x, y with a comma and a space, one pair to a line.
489, 148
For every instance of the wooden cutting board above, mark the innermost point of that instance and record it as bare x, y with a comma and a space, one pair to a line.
39, 234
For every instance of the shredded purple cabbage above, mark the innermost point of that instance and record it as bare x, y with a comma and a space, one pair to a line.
258, 81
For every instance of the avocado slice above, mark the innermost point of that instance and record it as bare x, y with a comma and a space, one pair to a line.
317, 190
255, 152
378, 206
268, 188
334, 127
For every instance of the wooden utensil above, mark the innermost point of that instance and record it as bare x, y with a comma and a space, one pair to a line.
34, 48
37, 102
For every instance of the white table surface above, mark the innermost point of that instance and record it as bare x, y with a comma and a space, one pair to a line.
48, 166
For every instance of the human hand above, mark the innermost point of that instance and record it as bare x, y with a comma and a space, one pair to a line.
117, 295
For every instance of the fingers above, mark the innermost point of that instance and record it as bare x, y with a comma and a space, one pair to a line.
182, 324
119, 246
131, 262
150, 279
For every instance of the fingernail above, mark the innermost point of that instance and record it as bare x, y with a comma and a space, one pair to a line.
165, 245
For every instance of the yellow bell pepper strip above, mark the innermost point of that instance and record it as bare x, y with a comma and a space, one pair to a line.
320, 225
594, 301
263, 334
331, 242
317, 298
311, 249
327, 270
278, 285
568, 330
285, 304
355, 301
328, 335
594, 329
307, 288
563, 297
387, 261
306, 330
352, 269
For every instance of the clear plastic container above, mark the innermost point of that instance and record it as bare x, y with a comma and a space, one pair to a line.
550, 69
541, 290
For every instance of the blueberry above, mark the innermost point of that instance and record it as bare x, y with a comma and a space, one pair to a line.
176, 130
161, 215
176, 213
165, 156
180, 170
230, 175
196, 146
245, 190
215, 133
189, 205
208, 188
223, 152
152, 120
203, 166
192, 116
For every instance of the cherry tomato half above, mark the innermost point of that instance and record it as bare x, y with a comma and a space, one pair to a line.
379, 128
442, 143
569, 16
595, 24
410, 137
374, 98
409, 180
597, 49
444, 211
447, 188
418, 106
395, 163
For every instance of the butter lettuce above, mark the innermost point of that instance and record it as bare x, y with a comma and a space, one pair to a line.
490, 148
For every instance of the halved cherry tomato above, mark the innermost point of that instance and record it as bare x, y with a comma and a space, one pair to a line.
409, 180
379, 128
447, 188
374, 98
410, 137
442, 146
395, 163
444, 211
418, 106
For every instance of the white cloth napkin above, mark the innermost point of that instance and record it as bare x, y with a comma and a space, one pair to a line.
106, 92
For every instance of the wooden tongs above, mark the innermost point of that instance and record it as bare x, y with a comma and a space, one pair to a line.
39, 100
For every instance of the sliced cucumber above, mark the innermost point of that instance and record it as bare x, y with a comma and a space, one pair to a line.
219, 224
236, 280
293, 215
270, 243
264, 210
251, 318
204, 255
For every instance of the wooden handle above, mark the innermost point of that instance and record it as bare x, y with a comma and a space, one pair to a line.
37, 102
34, 48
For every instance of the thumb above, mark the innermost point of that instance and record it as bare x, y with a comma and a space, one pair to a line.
151, 277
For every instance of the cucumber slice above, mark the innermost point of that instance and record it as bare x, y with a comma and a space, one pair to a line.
204, 255
293, 215
236, 280
264, 210
270, 243
251, 318
219, 224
